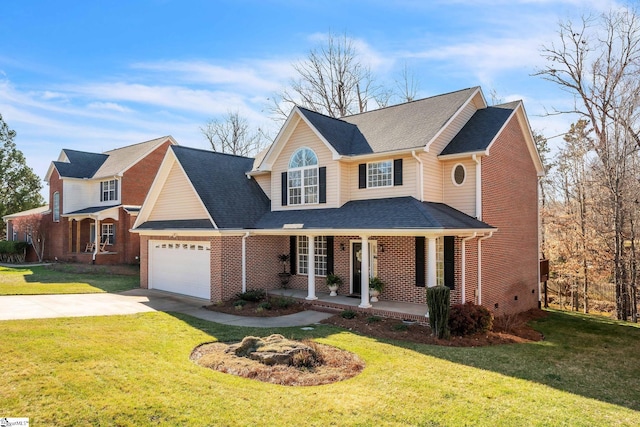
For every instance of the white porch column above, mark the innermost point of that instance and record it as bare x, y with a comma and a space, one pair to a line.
97, 240
364, 274
311, 267
431, 262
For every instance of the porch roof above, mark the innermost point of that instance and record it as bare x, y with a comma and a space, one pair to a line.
398, 213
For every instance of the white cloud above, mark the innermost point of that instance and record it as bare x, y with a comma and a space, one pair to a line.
111, 106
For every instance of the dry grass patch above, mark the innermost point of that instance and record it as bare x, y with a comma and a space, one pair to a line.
327, 365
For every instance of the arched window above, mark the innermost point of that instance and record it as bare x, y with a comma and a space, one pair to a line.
56, 206
303, 177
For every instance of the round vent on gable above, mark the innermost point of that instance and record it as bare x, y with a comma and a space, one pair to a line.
458, 174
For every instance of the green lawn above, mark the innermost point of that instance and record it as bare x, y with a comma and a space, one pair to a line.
135, 370
41, 280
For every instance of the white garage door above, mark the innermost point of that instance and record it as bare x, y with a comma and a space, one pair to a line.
180, 267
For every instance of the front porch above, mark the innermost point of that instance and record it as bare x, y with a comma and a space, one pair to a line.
392, 309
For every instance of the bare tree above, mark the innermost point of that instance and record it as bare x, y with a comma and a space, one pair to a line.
231, 134
35, 228
598, 61
331, 80
408, 85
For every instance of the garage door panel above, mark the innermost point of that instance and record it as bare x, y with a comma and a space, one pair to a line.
180, 267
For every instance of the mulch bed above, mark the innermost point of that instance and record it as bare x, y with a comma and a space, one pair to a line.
252, 308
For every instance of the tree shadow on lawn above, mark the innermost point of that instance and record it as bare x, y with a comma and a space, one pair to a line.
102, 278
586, 355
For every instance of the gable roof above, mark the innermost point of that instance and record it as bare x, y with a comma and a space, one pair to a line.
478, 133
397, 213
232, 200
83, 164
345, 137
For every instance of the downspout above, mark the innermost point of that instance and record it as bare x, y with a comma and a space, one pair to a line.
478, 187
539, 242
96, 242
464, 267
480, 266
420, 174
244, 261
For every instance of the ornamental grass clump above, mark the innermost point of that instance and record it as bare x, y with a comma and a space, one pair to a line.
438, 302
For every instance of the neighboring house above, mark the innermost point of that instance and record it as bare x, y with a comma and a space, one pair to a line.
436, 191
94, 199
16, 234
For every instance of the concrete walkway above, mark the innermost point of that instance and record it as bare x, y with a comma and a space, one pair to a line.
14, 307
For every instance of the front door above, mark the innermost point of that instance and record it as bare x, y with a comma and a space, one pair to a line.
356, 264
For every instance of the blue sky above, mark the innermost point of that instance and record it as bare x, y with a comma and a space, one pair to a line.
97, 75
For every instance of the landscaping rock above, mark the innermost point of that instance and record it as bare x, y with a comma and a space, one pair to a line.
272, 350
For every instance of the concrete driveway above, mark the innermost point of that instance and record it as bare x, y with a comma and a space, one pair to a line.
15, 307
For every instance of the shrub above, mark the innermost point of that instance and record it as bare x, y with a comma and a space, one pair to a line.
239, 303
373, 319
253, 295
283, 302
438, 298
399, 327
13, 251
469, 318
348, 314
264, 305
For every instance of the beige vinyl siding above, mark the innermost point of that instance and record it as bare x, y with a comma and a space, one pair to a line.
461, 197
264, 181
432, 177
345, 183
303, 136
408, 187
452, 130
178, 199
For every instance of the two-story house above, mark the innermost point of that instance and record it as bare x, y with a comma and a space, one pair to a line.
94, 199
441, 190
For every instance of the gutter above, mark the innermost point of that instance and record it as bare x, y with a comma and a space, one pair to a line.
480, 266
420, 174
244, 261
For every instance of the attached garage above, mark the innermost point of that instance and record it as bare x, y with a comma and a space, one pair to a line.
180, 267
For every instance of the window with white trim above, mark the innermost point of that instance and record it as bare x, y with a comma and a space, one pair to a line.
302, 177
109, 190
458, 174
56, 207
440, 261
108, 234
380, 174
320, 255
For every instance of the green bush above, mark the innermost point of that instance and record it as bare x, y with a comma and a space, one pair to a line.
469, 318
239, 303
348, 314
373, 319
438, 298
253, 295
264, 305
283, 302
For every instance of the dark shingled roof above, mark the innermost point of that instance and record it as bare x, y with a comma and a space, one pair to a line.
382, 214
90, 210
480, 130
233, 200
182, 224
345, 137
81, 164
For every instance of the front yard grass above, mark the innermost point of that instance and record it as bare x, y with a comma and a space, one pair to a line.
135, 371
41, 280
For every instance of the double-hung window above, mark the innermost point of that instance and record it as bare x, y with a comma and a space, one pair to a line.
320, 255
302, 177
108, 234
380, 174
109, 190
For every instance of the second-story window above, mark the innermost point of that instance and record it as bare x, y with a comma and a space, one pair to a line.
380, 174
109, 190
303, 177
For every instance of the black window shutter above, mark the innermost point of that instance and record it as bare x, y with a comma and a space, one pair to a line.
329, 254
322, 178
449, 262
101, 191
420, 260
284, 196
397, 172
362, 175
116, 189
293, 254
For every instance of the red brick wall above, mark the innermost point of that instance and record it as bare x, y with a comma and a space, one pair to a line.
57, 241
138, 179
510, 203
